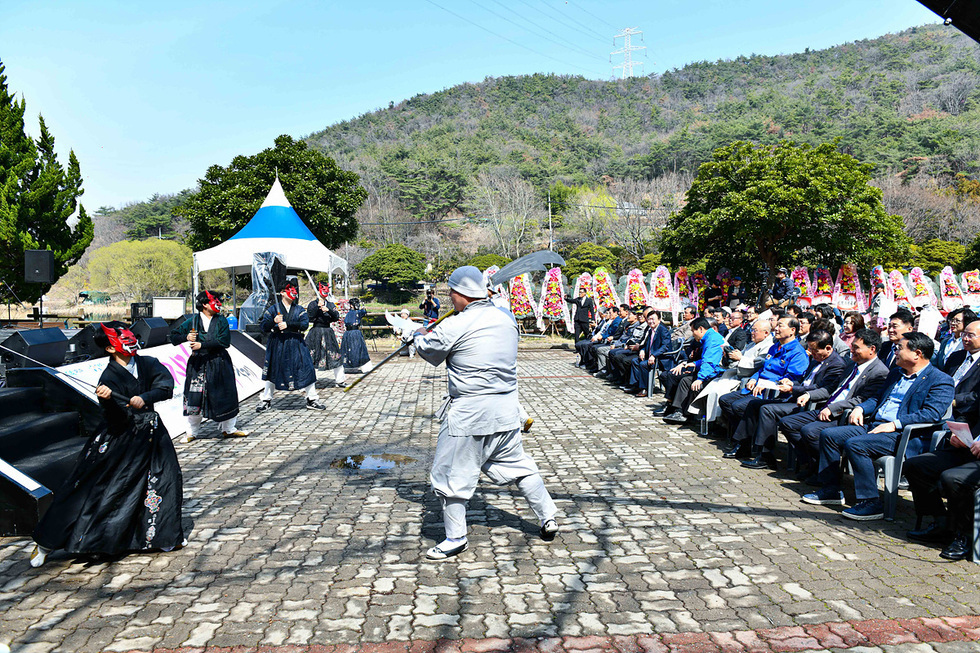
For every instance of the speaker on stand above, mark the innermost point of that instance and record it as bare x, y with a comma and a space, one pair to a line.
82, 347
39, 268
151, 332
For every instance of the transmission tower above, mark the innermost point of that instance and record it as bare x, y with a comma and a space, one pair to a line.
627, 51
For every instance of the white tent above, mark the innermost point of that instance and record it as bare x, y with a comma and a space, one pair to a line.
275, 227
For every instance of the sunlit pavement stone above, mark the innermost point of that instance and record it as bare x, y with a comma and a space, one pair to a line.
664, 547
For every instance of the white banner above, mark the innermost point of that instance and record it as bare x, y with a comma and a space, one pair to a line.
247, 374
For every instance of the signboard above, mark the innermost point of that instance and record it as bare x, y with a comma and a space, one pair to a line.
169, 308
247, 374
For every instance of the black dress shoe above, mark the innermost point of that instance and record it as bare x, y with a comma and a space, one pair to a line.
740, 450
762, 461
958, 549
661, 410
934, 533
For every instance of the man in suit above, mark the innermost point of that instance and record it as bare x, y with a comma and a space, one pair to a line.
761, 419
625, 349
611, 331
862, 379
584, 313
953, 341
655, 343
953, 469
915, 391
683, 382
737, 336
594, 336
901, 322
601, 349
786, 360
738, 294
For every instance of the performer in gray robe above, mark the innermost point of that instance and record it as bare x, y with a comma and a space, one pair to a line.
481, 424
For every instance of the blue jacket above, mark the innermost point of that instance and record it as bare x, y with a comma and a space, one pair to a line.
709, 365
926, 401
658, 342
788, 361
611, 328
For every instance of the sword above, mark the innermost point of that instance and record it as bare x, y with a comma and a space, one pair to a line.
396, 353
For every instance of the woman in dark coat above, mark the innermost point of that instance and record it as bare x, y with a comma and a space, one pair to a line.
210, 389
288, 365
352, 347
321, 338
125, 491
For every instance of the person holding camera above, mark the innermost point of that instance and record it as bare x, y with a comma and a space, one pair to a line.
430, 307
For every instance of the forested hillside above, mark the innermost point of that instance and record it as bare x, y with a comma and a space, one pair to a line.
907, 103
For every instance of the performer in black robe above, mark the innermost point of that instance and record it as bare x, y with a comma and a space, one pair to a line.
125, 491
210, 389
352, 347
321, 338
288, 365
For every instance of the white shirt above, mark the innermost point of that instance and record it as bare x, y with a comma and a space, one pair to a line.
131, 367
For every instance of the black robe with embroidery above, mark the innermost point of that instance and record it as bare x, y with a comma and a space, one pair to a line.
288, 364
126, 490
321, 339
210, 389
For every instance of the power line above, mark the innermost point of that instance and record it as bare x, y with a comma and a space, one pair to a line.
590, 35
573, 48
601, 20
586, 27
487, 216
520, 45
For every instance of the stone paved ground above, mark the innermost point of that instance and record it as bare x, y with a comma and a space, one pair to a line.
663, 542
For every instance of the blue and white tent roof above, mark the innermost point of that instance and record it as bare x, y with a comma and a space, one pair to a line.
275, 227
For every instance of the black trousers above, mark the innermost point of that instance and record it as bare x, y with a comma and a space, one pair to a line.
582, 331
618, 364
802, 430
761, 421
953, 473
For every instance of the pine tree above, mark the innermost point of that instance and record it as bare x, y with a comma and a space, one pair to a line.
38, 197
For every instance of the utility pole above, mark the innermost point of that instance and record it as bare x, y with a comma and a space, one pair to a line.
551, 231
627, 51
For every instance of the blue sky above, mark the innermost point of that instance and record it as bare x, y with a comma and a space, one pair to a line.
150, 95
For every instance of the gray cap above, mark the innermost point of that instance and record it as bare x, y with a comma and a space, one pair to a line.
468, 281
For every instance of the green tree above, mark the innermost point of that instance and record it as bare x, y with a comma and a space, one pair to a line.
649, 263
586, 258
395, 264
781, 205
38, 199
562, 198
325, 196
933, 255
484, 261
139, 269
971, 259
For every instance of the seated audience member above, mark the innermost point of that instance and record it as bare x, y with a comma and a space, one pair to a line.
656, 342
823, 324
716, 314
683, 382
806, 322
624, 350
782, 292
957, 321
594, 337
747, 362
610, 327
598, 351
738, 294
761, 419
786, 360
862, 379
736, 337
794, 310
900, 323
682, 333
714, 295
915, 391
751, 315
853, 322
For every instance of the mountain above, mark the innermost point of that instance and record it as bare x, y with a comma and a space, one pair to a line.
903, 102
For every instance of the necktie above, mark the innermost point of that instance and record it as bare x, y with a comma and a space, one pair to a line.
808, 381
891, 357
963, 369
843, 387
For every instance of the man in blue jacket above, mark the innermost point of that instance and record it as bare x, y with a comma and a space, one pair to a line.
654, 345
684, 382
915, 392
787, 359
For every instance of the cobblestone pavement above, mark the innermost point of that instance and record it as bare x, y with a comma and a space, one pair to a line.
664, 546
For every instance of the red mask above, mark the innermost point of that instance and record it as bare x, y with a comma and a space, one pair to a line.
122, 340
323, 289
213, 302
292, 292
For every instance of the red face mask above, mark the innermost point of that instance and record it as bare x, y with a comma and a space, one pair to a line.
292, 292
324, 290
122, 340
213, 302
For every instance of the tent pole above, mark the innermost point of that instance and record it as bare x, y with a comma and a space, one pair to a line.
234, 294
194, 296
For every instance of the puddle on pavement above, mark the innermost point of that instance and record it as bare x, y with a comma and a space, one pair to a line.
372, 462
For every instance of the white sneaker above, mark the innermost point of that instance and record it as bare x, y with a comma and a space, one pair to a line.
549, 529
188, 439
39, 555
446, 549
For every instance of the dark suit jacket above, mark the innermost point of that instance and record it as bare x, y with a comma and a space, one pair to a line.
825, 381
584, 309
658, 342
738, 338
966, 408
885, 351
926, 401
865, 386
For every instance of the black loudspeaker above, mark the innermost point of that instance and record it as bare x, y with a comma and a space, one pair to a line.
962, 14
82, 347
151, 331
38, 266
47, 346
